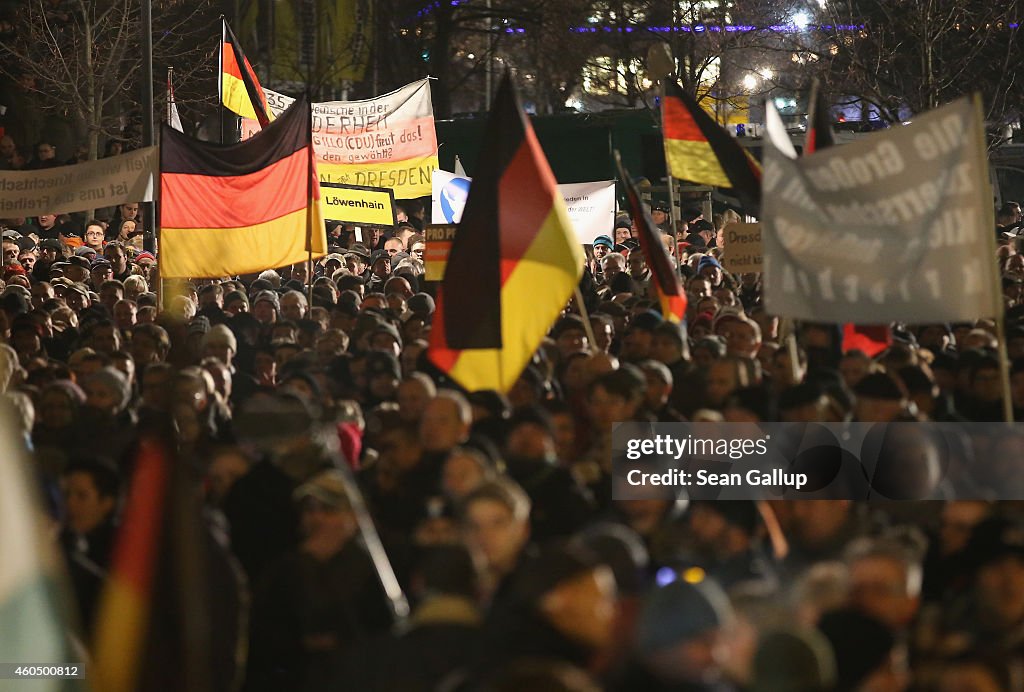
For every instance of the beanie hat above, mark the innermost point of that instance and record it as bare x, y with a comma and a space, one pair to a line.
232, 296
680, 611
220, 335
199, 325
422, 304
379, 363
793, 661
268, 296
116, 381
707, 261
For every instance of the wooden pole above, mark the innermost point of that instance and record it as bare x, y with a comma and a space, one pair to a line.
581, 306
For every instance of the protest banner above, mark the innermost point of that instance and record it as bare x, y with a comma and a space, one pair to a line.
388, 141
439, 239
90, 185
359, 205
884, 229
743, 251
591, 206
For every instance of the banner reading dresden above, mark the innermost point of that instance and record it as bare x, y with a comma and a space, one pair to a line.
90, 185
895, 226
388, 141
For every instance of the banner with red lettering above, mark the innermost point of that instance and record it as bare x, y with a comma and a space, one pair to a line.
388, 141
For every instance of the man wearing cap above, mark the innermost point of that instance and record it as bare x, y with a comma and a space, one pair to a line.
659, 214
380, 270
49, 250
706, 230
265, 307
99, 272
356, 259
636, 343
77, 269
679, 638
711, 269
317, 602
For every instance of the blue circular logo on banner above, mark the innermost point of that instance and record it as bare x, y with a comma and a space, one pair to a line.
453, 198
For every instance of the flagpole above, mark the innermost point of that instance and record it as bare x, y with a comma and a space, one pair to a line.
668, 176
148, 114
220, 77
1000, 316
309, 196
582, 307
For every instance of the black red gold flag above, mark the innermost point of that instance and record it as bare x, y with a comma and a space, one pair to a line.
514, 263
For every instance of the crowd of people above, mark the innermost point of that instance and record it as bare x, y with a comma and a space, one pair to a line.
312, 421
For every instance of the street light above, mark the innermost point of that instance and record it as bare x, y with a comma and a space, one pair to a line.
801, 20
749, 82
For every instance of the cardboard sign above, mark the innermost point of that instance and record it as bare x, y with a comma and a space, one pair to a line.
439, 239
743, 251
355, 204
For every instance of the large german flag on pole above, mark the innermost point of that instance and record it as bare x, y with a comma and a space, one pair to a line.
514, 262
239, 208
664, 278
699, 150
240, 89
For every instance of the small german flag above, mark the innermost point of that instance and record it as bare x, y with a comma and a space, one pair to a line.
819, 122
514, 263
240, 90
699, 150
664, 278
239, 208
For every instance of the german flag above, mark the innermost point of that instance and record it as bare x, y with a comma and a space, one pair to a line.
240, 208
158, 626
699, 150
240, 90
124, 613
664, 278
819, 122
514, 262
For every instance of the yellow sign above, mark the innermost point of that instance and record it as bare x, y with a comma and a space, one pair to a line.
359, 205
439, 239
409, 179
743, 251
